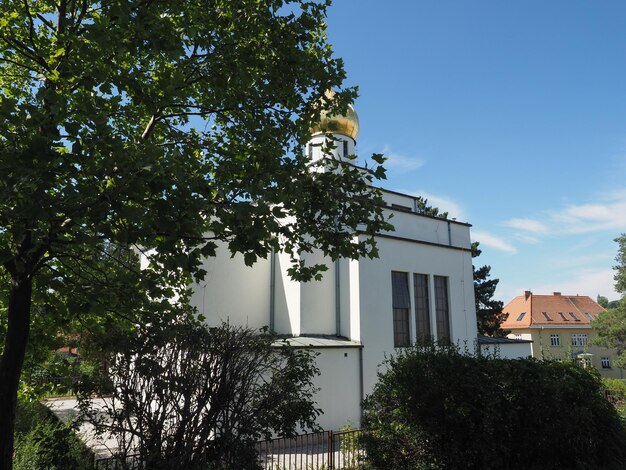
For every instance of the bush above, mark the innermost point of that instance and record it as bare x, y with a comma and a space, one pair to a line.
616, 389
187, 396
436, 408
41, 441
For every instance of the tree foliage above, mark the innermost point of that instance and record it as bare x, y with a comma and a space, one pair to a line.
435, 408
489, 314
167, 127
620, 267
611, 324
186, 396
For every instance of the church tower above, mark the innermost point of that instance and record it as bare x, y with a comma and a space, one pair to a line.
334, 130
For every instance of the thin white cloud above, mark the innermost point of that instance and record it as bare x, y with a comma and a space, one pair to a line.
492, 241
528, 239
589, 282
401, 163
528, 225
608, 213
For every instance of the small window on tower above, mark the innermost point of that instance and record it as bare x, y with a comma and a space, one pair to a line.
345, 148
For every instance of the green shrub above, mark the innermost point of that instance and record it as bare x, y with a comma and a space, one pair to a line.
42, 442
435, 408
617, 390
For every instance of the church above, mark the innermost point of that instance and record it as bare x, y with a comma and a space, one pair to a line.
420, 285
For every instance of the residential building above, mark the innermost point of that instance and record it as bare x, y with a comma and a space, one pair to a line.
420, 285
560, 327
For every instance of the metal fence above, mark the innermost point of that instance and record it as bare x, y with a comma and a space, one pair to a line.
324, 450
327, 450
117, 463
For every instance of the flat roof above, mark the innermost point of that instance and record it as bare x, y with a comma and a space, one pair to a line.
317, 341
491, 340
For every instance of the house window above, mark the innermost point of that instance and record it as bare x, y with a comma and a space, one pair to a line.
580, 339
547, 316
606, 363
563, 316
555, 340
589, 316
422, 305
401, 305
442, 307
571, 314
521, 316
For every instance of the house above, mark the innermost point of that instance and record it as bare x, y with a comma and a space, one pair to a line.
559, 327
421, 285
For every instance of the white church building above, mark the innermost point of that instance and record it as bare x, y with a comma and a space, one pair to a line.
421, 285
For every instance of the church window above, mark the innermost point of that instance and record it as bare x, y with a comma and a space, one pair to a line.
401, 306
422, 305
442, 307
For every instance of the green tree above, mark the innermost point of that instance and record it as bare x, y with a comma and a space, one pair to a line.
611, 324
489, 313
167, 127
606, 303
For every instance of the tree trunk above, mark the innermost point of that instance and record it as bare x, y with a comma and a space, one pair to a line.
11, 363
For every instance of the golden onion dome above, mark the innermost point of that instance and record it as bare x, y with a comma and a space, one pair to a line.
346, 124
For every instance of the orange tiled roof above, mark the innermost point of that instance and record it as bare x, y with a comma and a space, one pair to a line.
550, 310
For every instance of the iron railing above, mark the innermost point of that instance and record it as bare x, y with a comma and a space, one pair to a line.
324, 450
327, 450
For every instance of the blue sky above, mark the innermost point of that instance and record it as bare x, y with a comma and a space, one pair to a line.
511, 115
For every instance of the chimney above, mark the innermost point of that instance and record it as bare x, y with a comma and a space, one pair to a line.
557, 294
527, 294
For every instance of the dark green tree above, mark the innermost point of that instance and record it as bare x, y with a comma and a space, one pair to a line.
489, 314
165, 127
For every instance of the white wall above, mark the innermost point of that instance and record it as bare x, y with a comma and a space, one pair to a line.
317, 299
286, 300
339, 394
428, 229
234, 292
507, 350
